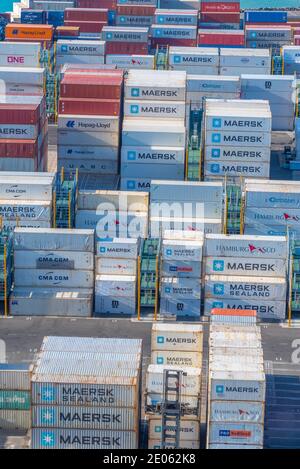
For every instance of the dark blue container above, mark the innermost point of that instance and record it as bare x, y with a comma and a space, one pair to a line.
56, 18
33, 17
111, 17
266, 16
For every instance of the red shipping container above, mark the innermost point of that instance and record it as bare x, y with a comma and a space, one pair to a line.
220, 17
127, 48
89, 107
136, 10
88, 26
109, 4
85, 70
296, 31
92, 86
168, 41
232, 7
23, 114
297, 40
86, 14
18, 148
220, 39
67, 31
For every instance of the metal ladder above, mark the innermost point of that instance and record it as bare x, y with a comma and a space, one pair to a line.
161, 57
171, 409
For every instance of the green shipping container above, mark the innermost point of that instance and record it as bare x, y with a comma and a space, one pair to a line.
15, 400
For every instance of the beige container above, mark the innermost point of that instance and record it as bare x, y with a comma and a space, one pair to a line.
177, 337
175, 357
189, 429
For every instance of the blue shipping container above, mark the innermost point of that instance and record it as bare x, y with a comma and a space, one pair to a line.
33, 16
111, 18
56, 18
266, 16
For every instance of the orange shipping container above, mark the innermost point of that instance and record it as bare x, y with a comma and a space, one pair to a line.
29, 31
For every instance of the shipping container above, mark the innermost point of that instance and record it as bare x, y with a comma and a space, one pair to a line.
180, 288
176, 250
118, 247
15, 400
177, 337
151, 108
113, 200
115, 305
181, 268
91, 344
142, 132
110, 266
29, 31
235, 411
186, 191
154, 155
242, 154
124, 34
178, 358
158, 85
237, 386
264, 309
15, 376
131, 61
230, 433
115, 285
46, 278
65, 260
189, 429
180, 308
242, 246
246, 266
15, 420
29, 188
54, 239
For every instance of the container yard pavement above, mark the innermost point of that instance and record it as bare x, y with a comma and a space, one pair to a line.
23, 337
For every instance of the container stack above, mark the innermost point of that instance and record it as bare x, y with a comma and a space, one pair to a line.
174, 28
272, 207
237, 61
181, 272
116, 264
54, 272
188, 206
154, 108
26, 199
89, 20
246, 272
23, 133
135, 14
113, 214
176, 345
272, 37
86, 394
237, 139
236, 386
125, 40
220, 15
194, 60
79, 52
15, 397
89, 118
279, 91
291, 60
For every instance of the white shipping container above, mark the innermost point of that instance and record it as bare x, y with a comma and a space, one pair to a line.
135, 184
11, 224
186, 444
186, 191
82, 439
89, 123
91, 152
234, 411
185, 17
54, 239
14, 419
173, 32
167, 171
32, 76
246, 266
115, 285
55, 278
25, 90
82, 47
246, 246
110, 266
240, 120
187, 250
237, 386
131, 61
18, 164
178, 358
79, 59
221, 286
204, 225
153, 155
237, 169
217, 153
148, 132
272, 216
57, 260
181, 268
227, 138
191, 380
25, 210
19, 59
28, 188
176, 287
246, 58
194, 56
264, 309
189, 429
117, 200
269, 230
115, 305
73, 137
103, 221
227, 362
122, 248
195, 70
273, 83
178, 337
278, 195
157, 85
230, 433
160, 109
170, 307
226, 446
215, 84
124, 34
88, 166
43, 302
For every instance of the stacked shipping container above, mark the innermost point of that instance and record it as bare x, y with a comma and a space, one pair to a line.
174, 28
89, 118
86, 394
116, 264
246, 272
181, 270
220, 14
125, 40
237, 138
54, 272
89, 20
154, 104
176, 345
236, 386
79, 52
15, 397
